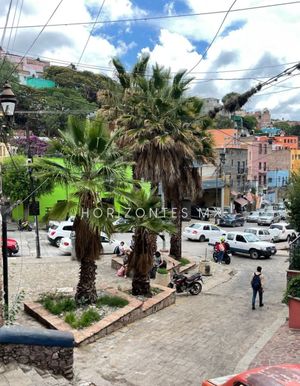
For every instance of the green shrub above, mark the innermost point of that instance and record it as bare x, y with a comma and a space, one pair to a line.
57, 304
294, 261
293, 289
162, 271
87, 318
184, 261
112, 301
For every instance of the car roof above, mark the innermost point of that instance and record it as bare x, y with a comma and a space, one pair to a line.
63, 223
255, 228
200, 223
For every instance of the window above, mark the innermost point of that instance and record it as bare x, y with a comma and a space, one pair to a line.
104, 239
68, 228
213, 228
206, 228
259, 179
238, 165
232, 162
230, 236
265, 148
265, 180
265, 166
240, 239
259, 166
260, 149
269, 180
284, 141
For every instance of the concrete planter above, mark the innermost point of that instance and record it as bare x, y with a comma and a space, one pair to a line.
162, 279
290, 273
205, 268
294, 313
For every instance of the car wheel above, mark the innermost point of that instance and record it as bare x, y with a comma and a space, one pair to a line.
57, 241
254, 254
202, 238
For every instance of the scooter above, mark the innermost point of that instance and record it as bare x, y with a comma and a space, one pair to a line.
191, 284
226, 257
24, 226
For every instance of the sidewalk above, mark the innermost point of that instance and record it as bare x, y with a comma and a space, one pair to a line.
283, 347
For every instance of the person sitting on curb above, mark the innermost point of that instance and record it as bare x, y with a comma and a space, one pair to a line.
159, 262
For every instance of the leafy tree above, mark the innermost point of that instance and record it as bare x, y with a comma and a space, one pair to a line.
163, 131
93, 167
229, 96
153, 220
222, 122
250, 122
284, 126
294, 201
7, 72
293, 130
16, 182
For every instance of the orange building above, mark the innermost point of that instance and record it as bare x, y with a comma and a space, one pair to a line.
224, 138
295, 160
287, 141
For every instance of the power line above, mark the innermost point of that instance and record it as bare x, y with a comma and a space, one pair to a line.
157, 17
36, 38
18, 22
91, 31
6, 22
214, 38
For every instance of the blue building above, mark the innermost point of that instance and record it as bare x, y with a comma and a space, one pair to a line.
276, 179
271, 131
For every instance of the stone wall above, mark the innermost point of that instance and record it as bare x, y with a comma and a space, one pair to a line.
59, 360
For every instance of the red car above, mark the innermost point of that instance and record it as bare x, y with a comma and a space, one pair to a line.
279, 375
12, 246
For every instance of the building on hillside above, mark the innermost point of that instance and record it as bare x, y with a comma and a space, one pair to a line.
209, 104
263, 118
277, 183
271, 131
235, 168
295, 160
27, 68
286, 141
224, 138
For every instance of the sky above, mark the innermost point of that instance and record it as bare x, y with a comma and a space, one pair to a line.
252, 45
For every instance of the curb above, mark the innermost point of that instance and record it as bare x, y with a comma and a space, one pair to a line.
244, 363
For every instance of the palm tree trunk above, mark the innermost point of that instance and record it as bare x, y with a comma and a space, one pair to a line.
141, 285
86, 289
175, 241
152, 242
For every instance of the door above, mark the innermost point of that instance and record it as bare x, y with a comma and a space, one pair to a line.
241, 244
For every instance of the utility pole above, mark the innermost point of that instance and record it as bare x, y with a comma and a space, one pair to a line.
34, 204
222, 175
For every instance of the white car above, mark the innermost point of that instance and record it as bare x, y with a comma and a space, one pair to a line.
57, 232
249, 244
54, 222
262, 234
268, 218
202, 231
284, 231
108, 245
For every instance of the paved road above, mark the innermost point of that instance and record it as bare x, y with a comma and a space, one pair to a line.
198, 337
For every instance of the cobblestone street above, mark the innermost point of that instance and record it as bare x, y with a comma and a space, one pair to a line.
198, 337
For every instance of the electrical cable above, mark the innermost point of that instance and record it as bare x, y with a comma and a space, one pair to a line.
90, 34
36, 38
6, 22
214, 38
143, 19
13, 22
18, 22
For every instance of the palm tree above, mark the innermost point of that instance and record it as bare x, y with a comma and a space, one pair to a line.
147, 218
164, 132
91, 166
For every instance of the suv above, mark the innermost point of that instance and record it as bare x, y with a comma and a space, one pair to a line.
268, 218
262, 234
285, 231
202, 232
57, 232
249, 244
232, 220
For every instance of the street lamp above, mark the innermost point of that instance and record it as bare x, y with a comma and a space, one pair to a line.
8, 103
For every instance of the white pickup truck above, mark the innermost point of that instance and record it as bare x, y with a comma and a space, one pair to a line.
248, 244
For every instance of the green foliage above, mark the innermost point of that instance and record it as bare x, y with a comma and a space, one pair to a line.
283, 126
222, 122
250, 122
183, 261
7, 68
293, 289
10, 314
162, 271
112, 301
294, 199
294, 260
57, 304
87, 318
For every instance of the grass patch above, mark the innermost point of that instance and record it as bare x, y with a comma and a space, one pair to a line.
183, 261
155, 291
162, 271
111, 301
80, 316
87, 318
57, 304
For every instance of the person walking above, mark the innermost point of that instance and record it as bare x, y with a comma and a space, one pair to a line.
257, 284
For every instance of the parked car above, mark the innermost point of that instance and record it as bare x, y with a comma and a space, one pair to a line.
253, 216
248, 244
57, 232
54, 222
232, 220
279, 375
202, 231
12, 246
268, 218
284, 231
262, 234
108, 245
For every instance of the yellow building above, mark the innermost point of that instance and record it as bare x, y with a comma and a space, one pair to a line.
295, 160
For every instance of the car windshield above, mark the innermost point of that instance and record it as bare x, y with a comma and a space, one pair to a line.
251, 238
268, 214
289, 226
250, 231
273, 226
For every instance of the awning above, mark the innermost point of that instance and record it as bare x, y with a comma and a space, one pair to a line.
249, 197
233, 193
241, 201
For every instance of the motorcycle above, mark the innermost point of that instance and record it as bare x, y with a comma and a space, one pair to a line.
226, 257
191, 284
24, 226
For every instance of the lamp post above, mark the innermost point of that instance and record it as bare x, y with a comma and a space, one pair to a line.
222, 163
8, 103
